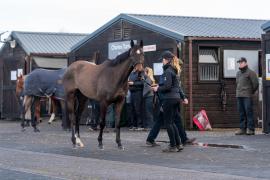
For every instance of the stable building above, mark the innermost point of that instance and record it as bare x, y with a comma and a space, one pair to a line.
26, 51
208, 47
266, 76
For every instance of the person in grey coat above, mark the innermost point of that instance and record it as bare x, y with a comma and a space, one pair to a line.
247, 84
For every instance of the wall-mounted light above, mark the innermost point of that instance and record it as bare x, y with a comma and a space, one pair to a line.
11, 42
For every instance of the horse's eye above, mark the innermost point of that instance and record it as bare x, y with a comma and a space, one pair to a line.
138, 51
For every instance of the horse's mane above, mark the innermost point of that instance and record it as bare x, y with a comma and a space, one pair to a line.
119, 59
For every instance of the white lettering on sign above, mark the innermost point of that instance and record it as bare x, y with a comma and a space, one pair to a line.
149, 48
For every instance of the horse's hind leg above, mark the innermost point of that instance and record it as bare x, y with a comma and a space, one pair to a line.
118, 108
33, 114
103, 110
37, 111
81, 99
53, 108
71, 116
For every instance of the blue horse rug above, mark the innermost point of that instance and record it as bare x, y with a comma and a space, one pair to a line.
44, 83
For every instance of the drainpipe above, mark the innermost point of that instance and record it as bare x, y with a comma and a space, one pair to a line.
190, 68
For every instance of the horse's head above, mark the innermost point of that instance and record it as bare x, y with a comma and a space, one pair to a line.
19, 84
136, 53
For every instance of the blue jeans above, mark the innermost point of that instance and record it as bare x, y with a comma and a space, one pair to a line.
245, 108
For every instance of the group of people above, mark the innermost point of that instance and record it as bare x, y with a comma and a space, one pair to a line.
140, 97
168, 95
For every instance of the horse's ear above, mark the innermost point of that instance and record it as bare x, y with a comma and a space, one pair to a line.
141, 44
131, 43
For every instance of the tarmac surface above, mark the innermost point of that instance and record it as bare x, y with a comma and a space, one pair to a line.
49, 155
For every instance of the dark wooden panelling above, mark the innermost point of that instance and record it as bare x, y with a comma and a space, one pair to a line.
12, 59
207, 95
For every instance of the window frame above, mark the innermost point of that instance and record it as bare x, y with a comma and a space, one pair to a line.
217, 50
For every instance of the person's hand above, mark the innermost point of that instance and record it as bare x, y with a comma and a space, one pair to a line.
185, 101
130, 82
154, 88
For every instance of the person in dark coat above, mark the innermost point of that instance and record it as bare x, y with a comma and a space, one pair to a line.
136, 84
247, 84
148, 96
170, 99
158, 116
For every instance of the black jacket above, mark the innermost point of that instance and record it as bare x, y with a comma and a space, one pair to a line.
169, 87
138, 80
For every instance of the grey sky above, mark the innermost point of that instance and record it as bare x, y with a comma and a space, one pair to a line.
85, 16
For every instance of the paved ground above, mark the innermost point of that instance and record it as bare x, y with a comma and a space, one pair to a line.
49, 155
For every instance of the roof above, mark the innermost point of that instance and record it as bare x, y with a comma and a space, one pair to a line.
45, 62
266, 26
179, 27
47, 42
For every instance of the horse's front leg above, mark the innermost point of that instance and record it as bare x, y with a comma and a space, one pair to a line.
26, 111
118, 109
103, 110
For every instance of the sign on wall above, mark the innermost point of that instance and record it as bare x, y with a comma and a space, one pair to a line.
149, 48
230, 65
116, 48
158, 69
13, 75
267, 59
19, 72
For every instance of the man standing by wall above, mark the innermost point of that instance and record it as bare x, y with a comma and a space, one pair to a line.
247, 84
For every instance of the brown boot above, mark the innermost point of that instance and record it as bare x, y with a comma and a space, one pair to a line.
250, 132
240, 132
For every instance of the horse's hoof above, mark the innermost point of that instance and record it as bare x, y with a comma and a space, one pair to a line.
49, 123
81, 145
121, 147
23, 129
101, 147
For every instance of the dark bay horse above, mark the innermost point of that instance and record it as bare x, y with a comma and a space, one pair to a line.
42, 83
106, 83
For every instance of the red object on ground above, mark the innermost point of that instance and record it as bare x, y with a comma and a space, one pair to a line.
201, 120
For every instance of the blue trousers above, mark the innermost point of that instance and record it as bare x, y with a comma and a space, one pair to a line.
245, 108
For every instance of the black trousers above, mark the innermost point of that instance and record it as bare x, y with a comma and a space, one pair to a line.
158, 122
136, 106
170, 108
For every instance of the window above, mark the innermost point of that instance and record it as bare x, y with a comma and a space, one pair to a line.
126, 34
117, 34
208, 64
